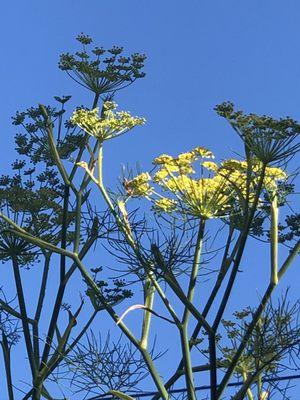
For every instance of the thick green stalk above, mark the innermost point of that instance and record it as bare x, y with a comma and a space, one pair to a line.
165, 300
62, 342
188, 370
7, 365
23, 312
149, 293
274, 240
77, 221
13, 312
64, 229
174, 285
195, 269
154, 374
123, 227
245, 389
293, 254
54, 151
152, 369
244, 340
51, 368
259, 386
223, 271
35, 328
213, 365
85, 140
242, 240
249, 392
61, 290
52, 325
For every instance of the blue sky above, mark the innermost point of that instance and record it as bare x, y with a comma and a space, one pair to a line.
200, 53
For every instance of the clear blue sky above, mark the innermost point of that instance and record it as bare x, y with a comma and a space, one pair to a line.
200, 53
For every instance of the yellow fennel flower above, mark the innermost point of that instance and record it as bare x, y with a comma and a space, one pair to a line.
210, 165
138, 186
202, 152
207, 197
113, 123
160, 175
163, 159
275, 173
234, 165
165, 205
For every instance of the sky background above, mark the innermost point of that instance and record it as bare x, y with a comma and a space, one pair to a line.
200, 53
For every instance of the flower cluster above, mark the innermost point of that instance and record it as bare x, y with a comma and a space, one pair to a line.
182, 163
220, 190
112, 123
103, 71
270, 140
236, 172
138, 186
32, 142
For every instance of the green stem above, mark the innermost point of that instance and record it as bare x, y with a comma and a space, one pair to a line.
154, 374
249, 392
149, 292
77, 221
54, 151
123, 228
23, 312
245, 389
188, 370
213, 366
223, 271
152, 369
274, 240
35, 328
174, 285
13, 312
165, 300
242, 243
293, 254
244, 340
62, 342
259, 386
7, 365
64, 229
195, 269
70, 347
85, 140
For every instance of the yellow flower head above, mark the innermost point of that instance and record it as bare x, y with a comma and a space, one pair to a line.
160, 175
109, 105
275, 173
210, 165
272, 176
207, 197
165, 205
186, 158
111, 125
220, 190
178, 183
88, 120
163, 159
138, 186
234, 165
202, 152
